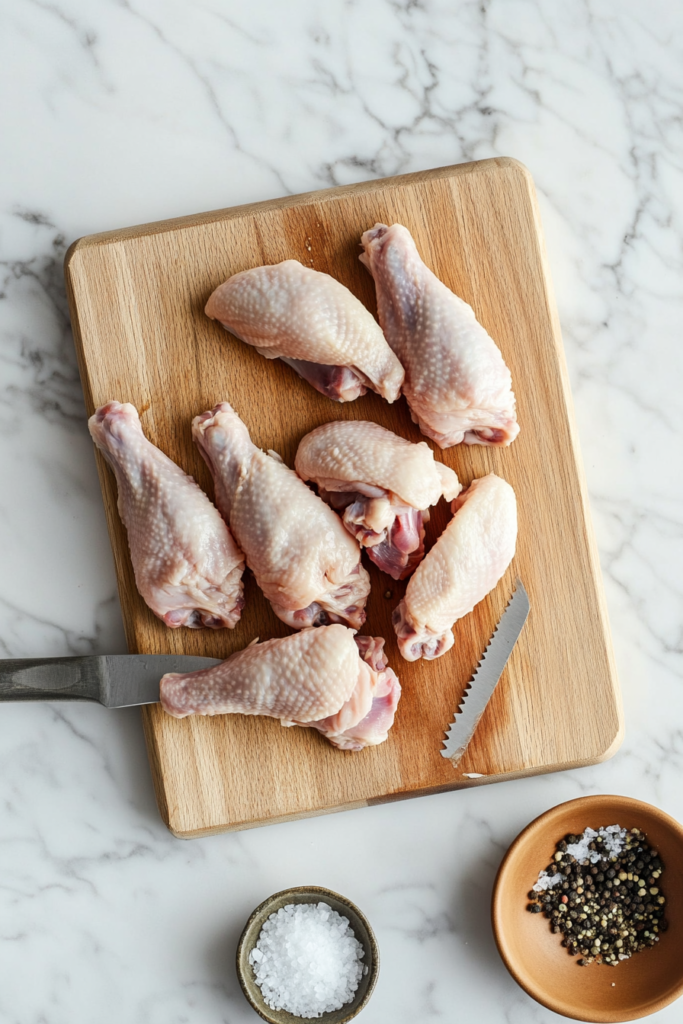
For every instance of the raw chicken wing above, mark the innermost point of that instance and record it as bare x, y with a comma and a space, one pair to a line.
464, 565
314, 324
457, 384
187, 565
383, 484
325, 679
303, 559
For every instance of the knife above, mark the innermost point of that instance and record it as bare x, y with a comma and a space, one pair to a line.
114, 680
486, 675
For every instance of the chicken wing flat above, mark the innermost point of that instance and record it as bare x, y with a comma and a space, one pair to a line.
383, 484
313, 323
464, 565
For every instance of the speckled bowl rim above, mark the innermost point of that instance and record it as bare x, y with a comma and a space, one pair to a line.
371, 949
559, 1006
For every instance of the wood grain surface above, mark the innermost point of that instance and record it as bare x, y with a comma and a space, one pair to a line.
137, 298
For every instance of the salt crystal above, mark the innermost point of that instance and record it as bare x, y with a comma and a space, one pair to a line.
307, 960
612, 836
546, 881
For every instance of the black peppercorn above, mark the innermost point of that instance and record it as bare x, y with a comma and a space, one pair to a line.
604, 909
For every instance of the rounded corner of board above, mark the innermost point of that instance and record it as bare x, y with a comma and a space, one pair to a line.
520, 170
513, 162
178, 833
73, 251
616, 742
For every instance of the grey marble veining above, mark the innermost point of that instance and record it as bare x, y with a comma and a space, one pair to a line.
122, 111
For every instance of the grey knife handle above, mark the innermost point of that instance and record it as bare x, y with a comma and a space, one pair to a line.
51, 678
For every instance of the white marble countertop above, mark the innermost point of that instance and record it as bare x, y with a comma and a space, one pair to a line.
116, 112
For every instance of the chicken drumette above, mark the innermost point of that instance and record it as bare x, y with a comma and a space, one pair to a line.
326, 679
457, 384
187, 566
304, 561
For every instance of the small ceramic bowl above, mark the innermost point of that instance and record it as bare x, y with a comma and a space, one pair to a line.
307, 894
637, 987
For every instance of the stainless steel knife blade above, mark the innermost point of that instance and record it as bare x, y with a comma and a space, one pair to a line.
114, 680
489, 670
134, 678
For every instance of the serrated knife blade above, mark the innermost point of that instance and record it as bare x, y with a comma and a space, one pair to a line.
486, 675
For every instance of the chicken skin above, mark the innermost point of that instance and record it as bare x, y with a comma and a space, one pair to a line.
325, 679
313, 323
383, 484
304, 561
464, 565
457, 385
187, 566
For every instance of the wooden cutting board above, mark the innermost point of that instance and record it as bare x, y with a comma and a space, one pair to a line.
137, 299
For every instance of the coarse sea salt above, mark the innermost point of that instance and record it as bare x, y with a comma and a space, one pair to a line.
307, 960
612, 836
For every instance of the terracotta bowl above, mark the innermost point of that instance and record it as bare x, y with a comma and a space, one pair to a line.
533, 955
308, 894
